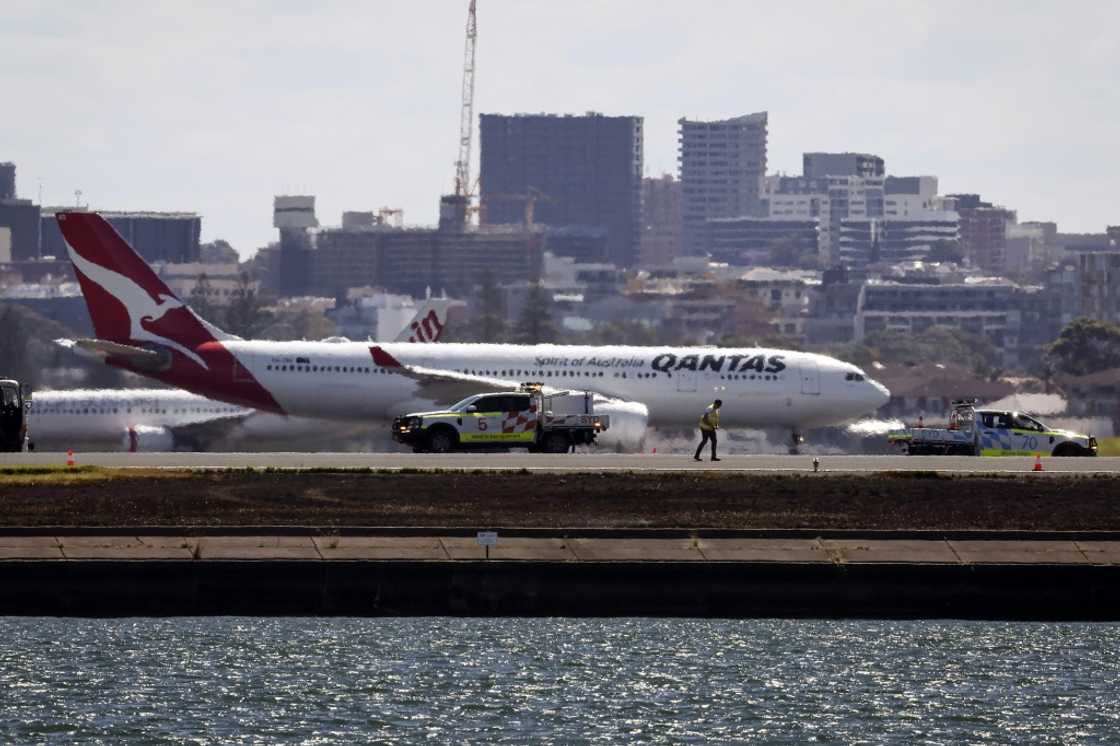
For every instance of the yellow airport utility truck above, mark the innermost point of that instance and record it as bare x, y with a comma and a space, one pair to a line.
991, 432
15, 402
530, 417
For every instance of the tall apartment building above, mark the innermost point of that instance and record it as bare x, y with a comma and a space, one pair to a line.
817, 165
579, 170
983, 231
895, 240
909, 195
7, 180
1100, 285
661, 221
722, 169
19, 220
830, 199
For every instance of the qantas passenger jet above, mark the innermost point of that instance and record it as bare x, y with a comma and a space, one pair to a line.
141, 326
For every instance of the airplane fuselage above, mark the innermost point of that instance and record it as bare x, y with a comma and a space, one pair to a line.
759, 387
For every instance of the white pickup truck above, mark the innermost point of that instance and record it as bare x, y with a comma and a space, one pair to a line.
529, 417
991, 432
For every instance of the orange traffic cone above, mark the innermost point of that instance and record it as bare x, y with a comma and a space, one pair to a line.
1037, 462
70, 457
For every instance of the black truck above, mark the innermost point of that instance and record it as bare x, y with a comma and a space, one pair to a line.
15, 401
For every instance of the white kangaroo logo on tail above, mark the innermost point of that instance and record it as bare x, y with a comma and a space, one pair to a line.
137, 302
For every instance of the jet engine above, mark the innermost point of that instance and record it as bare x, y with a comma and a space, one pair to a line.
628, 424
148, 438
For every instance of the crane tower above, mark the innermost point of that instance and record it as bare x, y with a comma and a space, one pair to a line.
453, 208
466, 115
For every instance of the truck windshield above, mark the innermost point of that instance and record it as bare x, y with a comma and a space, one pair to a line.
1023, 422
459, 406
9, 396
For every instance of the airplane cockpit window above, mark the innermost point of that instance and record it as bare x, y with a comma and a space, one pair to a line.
855, 377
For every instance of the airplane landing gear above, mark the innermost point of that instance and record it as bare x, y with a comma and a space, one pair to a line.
795, 441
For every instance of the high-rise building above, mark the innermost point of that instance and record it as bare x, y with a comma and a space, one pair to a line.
294, 217
1100, 285
722, 168
575, 170
830, 199
909, 195
157, 236
661, 221
895, 240
817, 165
19, 219
7, 180
983, 231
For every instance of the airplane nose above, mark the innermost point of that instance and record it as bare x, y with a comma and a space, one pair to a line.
880, 395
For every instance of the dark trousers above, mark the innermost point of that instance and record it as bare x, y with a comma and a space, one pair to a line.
705, 436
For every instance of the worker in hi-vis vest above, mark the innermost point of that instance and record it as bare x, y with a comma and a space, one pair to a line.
709, 423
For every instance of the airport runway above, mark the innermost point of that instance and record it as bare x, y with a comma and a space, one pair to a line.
570, 462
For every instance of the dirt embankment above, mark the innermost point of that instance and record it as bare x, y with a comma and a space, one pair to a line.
885, 501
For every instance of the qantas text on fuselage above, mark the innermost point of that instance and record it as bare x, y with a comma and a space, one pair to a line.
360, 380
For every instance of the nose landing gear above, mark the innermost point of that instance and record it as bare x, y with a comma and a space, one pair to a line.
795, 441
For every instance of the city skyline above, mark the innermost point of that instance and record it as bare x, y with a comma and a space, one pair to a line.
142, 107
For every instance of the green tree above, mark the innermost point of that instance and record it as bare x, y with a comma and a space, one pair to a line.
946, 251
217, 252
626, 332
491, 323
201, 302
535, 324
245, 315
28, 351
933, 345
1084, 346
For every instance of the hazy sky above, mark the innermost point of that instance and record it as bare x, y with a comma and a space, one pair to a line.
215, 107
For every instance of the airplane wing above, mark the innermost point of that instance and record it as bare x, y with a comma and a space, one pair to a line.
442, 386
199, 436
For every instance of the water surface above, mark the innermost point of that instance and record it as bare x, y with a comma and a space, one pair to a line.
252, 680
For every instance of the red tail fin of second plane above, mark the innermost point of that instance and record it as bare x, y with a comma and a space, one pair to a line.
127, 301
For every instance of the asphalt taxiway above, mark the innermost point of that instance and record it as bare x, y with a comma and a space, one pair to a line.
577, 462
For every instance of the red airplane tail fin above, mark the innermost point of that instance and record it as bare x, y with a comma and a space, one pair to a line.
127, 301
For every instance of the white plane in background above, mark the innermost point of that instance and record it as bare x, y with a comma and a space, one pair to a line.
164, 419
670, 386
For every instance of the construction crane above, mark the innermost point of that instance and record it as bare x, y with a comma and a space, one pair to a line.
454, 208
466, 114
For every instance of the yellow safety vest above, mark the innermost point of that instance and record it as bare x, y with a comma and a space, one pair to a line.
710, 419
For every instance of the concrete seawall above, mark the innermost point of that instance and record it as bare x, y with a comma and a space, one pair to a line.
572, 573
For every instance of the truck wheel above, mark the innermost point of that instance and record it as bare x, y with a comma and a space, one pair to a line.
555, 443
442, 440
1070, 449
